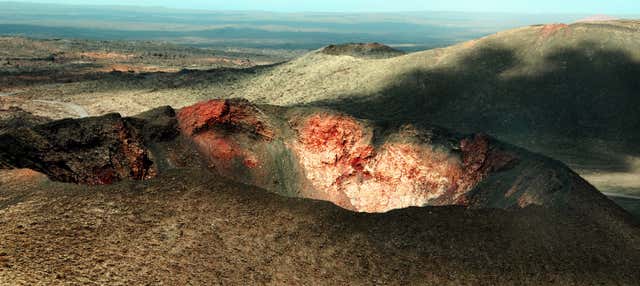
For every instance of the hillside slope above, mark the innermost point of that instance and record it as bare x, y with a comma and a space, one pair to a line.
548, 78
188, 226
569, 91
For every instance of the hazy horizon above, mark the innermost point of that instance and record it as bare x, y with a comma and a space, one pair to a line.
222, 27
588, 7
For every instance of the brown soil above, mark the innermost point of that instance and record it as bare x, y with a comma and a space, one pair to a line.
190, 227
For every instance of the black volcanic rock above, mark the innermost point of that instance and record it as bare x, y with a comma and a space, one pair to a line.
157, 125
94, 151
15, 117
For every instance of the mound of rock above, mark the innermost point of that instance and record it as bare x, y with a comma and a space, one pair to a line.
302, 152
329, 156
362, 50
94, 151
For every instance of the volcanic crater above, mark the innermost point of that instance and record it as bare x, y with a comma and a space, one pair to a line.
359, 165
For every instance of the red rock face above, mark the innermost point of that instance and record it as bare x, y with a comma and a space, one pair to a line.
336, 157
222, 152
479, 159
199, 116
217, 127
238, 116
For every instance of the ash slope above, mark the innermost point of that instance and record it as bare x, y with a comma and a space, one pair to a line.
190, 226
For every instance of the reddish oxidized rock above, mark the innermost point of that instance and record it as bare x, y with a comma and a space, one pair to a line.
232, 115
214, 126
339, 160
202, 115
335, 157
479, 158
332, 149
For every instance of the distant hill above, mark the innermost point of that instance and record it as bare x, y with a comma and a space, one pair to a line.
597, 18
362, 50
570, 91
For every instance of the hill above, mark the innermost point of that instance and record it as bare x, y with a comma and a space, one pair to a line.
362, 50
553, 79
568, 91
189, 226
142, 203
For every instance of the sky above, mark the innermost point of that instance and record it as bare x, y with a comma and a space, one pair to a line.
510, 6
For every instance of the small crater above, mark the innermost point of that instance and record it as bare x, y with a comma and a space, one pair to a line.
362, 50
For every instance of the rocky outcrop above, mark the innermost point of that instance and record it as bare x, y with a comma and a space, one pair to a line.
14, 117
357, 164
407, 167
314, 153
94, 151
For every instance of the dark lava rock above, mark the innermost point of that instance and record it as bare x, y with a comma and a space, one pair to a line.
15, 117
157, 125
362, 50
94, 151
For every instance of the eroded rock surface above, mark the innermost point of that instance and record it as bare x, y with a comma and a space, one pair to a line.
94, 151
325, 155
340, 159
14, 117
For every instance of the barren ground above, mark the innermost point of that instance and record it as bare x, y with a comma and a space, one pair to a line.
190, 227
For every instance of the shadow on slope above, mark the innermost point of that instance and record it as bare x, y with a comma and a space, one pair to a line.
585, 97
157, 80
